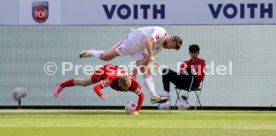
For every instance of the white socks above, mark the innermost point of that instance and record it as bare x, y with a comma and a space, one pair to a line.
149, 84
97, 53
184, 93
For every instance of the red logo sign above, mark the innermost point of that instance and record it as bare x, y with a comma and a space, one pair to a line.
40, 11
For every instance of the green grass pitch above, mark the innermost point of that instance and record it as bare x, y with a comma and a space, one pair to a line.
148, 123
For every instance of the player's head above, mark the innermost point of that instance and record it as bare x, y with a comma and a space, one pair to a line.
194, 51
172, 42
124, 82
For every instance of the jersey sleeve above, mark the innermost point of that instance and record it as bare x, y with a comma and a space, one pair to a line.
183, 67
140, 101
158, 34
99, 86
155, 36
137, 89
201, 70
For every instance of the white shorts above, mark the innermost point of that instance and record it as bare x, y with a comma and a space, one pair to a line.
124, 48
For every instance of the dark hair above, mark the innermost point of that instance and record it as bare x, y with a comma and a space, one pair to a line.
178, 41
194, 48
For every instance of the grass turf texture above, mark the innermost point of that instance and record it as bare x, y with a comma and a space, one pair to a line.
148, 123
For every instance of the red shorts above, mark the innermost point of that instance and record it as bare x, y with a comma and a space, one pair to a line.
98, 76
103, 72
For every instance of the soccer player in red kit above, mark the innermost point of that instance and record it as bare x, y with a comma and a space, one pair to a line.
108, 75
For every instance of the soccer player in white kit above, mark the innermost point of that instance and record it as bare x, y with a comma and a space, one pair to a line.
141, 44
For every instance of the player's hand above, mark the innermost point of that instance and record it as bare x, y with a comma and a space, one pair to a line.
152, 59
155, 63
135, 113
105, 97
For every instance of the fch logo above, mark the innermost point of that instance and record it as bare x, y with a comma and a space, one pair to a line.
40, 11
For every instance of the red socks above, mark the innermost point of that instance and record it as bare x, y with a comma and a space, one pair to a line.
67, 83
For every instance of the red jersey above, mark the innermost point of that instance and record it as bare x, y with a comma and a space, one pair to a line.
105, 71
110, 78
199, 67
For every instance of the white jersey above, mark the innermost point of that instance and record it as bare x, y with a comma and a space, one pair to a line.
134, 44
138, 38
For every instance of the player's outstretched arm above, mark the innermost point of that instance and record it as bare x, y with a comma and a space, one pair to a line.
139, 104
149, 47
97, 89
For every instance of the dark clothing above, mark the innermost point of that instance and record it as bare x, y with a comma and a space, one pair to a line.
181, 81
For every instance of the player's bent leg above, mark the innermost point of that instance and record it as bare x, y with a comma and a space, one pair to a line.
109, 55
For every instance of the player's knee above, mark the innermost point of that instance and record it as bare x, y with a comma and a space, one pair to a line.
82, 82
105, 58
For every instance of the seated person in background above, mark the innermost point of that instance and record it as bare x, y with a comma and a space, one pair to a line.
193, 67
